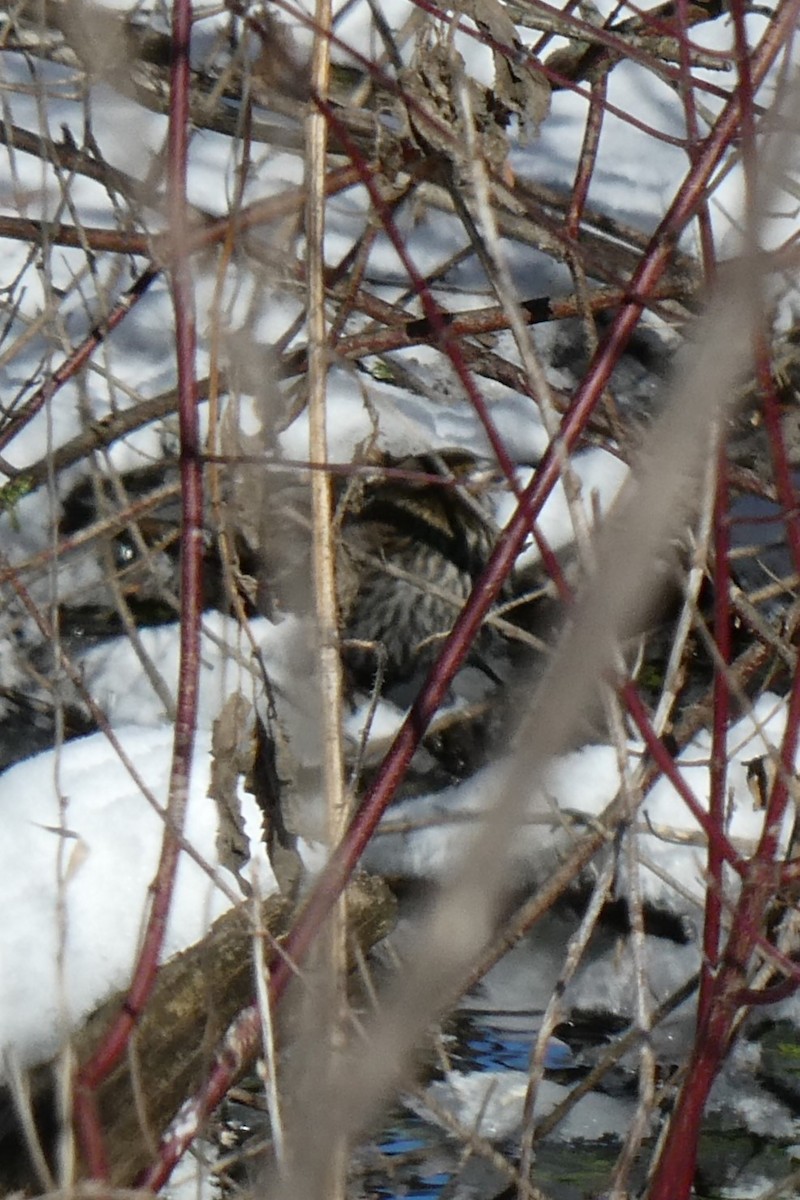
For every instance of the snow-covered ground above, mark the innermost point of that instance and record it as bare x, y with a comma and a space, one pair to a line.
80, 852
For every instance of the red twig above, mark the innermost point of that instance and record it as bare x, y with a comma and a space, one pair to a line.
77, 359
588, 157
712, 926
110, 1051
787, 492
674, 1173
745, 91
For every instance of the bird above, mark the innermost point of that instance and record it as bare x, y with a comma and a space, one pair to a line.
414, 538
414, 533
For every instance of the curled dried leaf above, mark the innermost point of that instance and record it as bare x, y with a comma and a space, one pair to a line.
518, 87
271, 782
437, 74
232, 749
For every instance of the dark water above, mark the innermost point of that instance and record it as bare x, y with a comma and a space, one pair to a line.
413, 1159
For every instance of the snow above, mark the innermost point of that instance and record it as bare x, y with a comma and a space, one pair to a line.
80, 848
107, 820
584, 781
680, 862
112, 671
490, 1103
735, 1100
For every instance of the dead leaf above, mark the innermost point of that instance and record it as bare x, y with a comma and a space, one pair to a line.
232, 750
268, 784
437, 73
518, 86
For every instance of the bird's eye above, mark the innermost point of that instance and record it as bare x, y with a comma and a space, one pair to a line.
124, 551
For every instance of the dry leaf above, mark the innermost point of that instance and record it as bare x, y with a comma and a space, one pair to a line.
268, 783
518, 88
437, 72
231, 756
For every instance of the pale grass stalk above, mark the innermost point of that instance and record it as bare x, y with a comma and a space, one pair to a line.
576, 949
785, 1188
270, 1072
640, 1123
330, 1008
507, 295
669, 690
65, 1166
140, 1096
632, 796
66, 1155
323, 540
18, 1084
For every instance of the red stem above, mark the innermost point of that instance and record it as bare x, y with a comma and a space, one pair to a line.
745, 90
77, 359
92, 1073
712, 926
674, 1174
787, 493
587, 158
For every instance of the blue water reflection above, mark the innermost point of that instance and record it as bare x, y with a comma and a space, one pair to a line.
416, 1154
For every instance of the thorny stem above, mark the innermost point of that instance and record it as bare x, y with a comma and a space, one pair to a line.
92, 1073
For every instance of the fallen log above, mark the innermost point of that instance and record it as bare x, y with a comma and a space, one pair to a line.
197, 995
